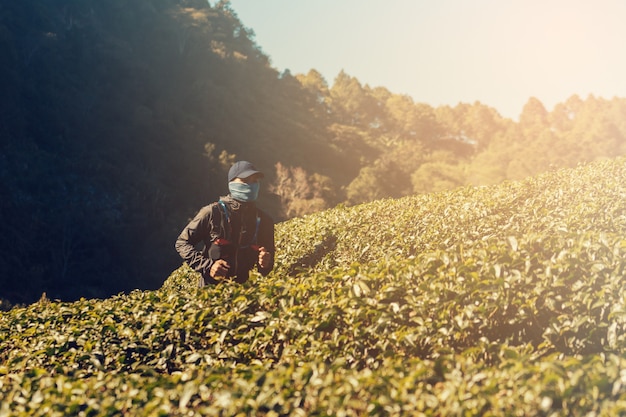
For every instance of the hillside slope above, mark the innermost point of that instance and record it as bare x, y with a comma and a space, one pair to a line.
502, 300
547, 210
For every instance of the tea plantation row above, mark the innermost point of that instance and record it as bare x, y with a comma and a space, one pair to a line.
505, 300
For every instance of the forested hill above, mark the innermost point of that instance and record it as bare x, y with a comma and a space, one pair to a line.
118, 120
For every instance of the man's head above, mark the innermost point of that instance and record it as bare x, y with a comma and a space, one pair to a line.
243, 181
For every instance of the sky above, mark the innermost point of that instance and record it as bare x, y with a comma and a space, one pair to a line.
444, 52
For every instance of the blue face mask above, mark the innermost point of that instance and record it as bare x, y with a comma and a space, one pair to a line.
243, 191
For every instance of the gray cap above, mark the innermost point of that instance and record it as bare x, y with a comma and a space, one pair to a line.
242, 169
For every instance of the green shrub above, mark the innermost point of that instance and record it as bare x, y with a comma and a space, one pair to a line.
503, 300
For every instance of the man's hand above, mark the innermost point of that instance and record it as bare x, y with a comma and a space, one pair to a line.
219, 269
265, 258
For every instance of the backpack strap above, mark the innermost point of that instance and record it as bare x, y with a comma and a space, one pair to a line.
225, 216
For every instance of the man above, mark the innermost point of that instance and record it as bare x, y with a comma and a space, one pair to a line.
237, 236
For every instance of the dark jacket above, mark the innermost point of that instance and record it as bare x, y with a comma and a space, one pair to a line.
230, 237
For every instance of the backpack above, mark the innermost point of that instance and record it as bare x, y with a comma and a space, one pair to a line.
228, 230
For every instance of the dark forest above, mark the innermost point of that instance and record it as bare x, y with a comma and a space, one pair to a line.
119, 120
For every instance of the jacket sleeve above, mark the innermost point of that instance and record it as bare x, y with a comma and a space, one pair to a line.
266, 239
198, 230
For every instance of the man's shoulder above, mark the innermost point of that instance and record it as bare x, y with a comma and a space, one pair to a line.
208, 209
264, 215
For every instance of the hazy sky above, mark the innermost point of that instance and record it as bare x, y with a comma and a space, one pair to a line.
498, 52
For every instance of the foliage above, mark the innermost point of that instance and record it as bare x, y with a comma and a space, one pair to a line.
503, 300
299, 192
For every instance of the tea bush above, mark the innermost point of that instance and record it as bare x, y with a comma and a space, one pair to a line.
503, 300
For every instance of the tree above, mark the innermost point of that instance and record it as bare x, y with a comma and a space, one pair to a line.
299, 192
350, 102
317, 98
402, 114
369, 185
534, 117
437, 176
564, 115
